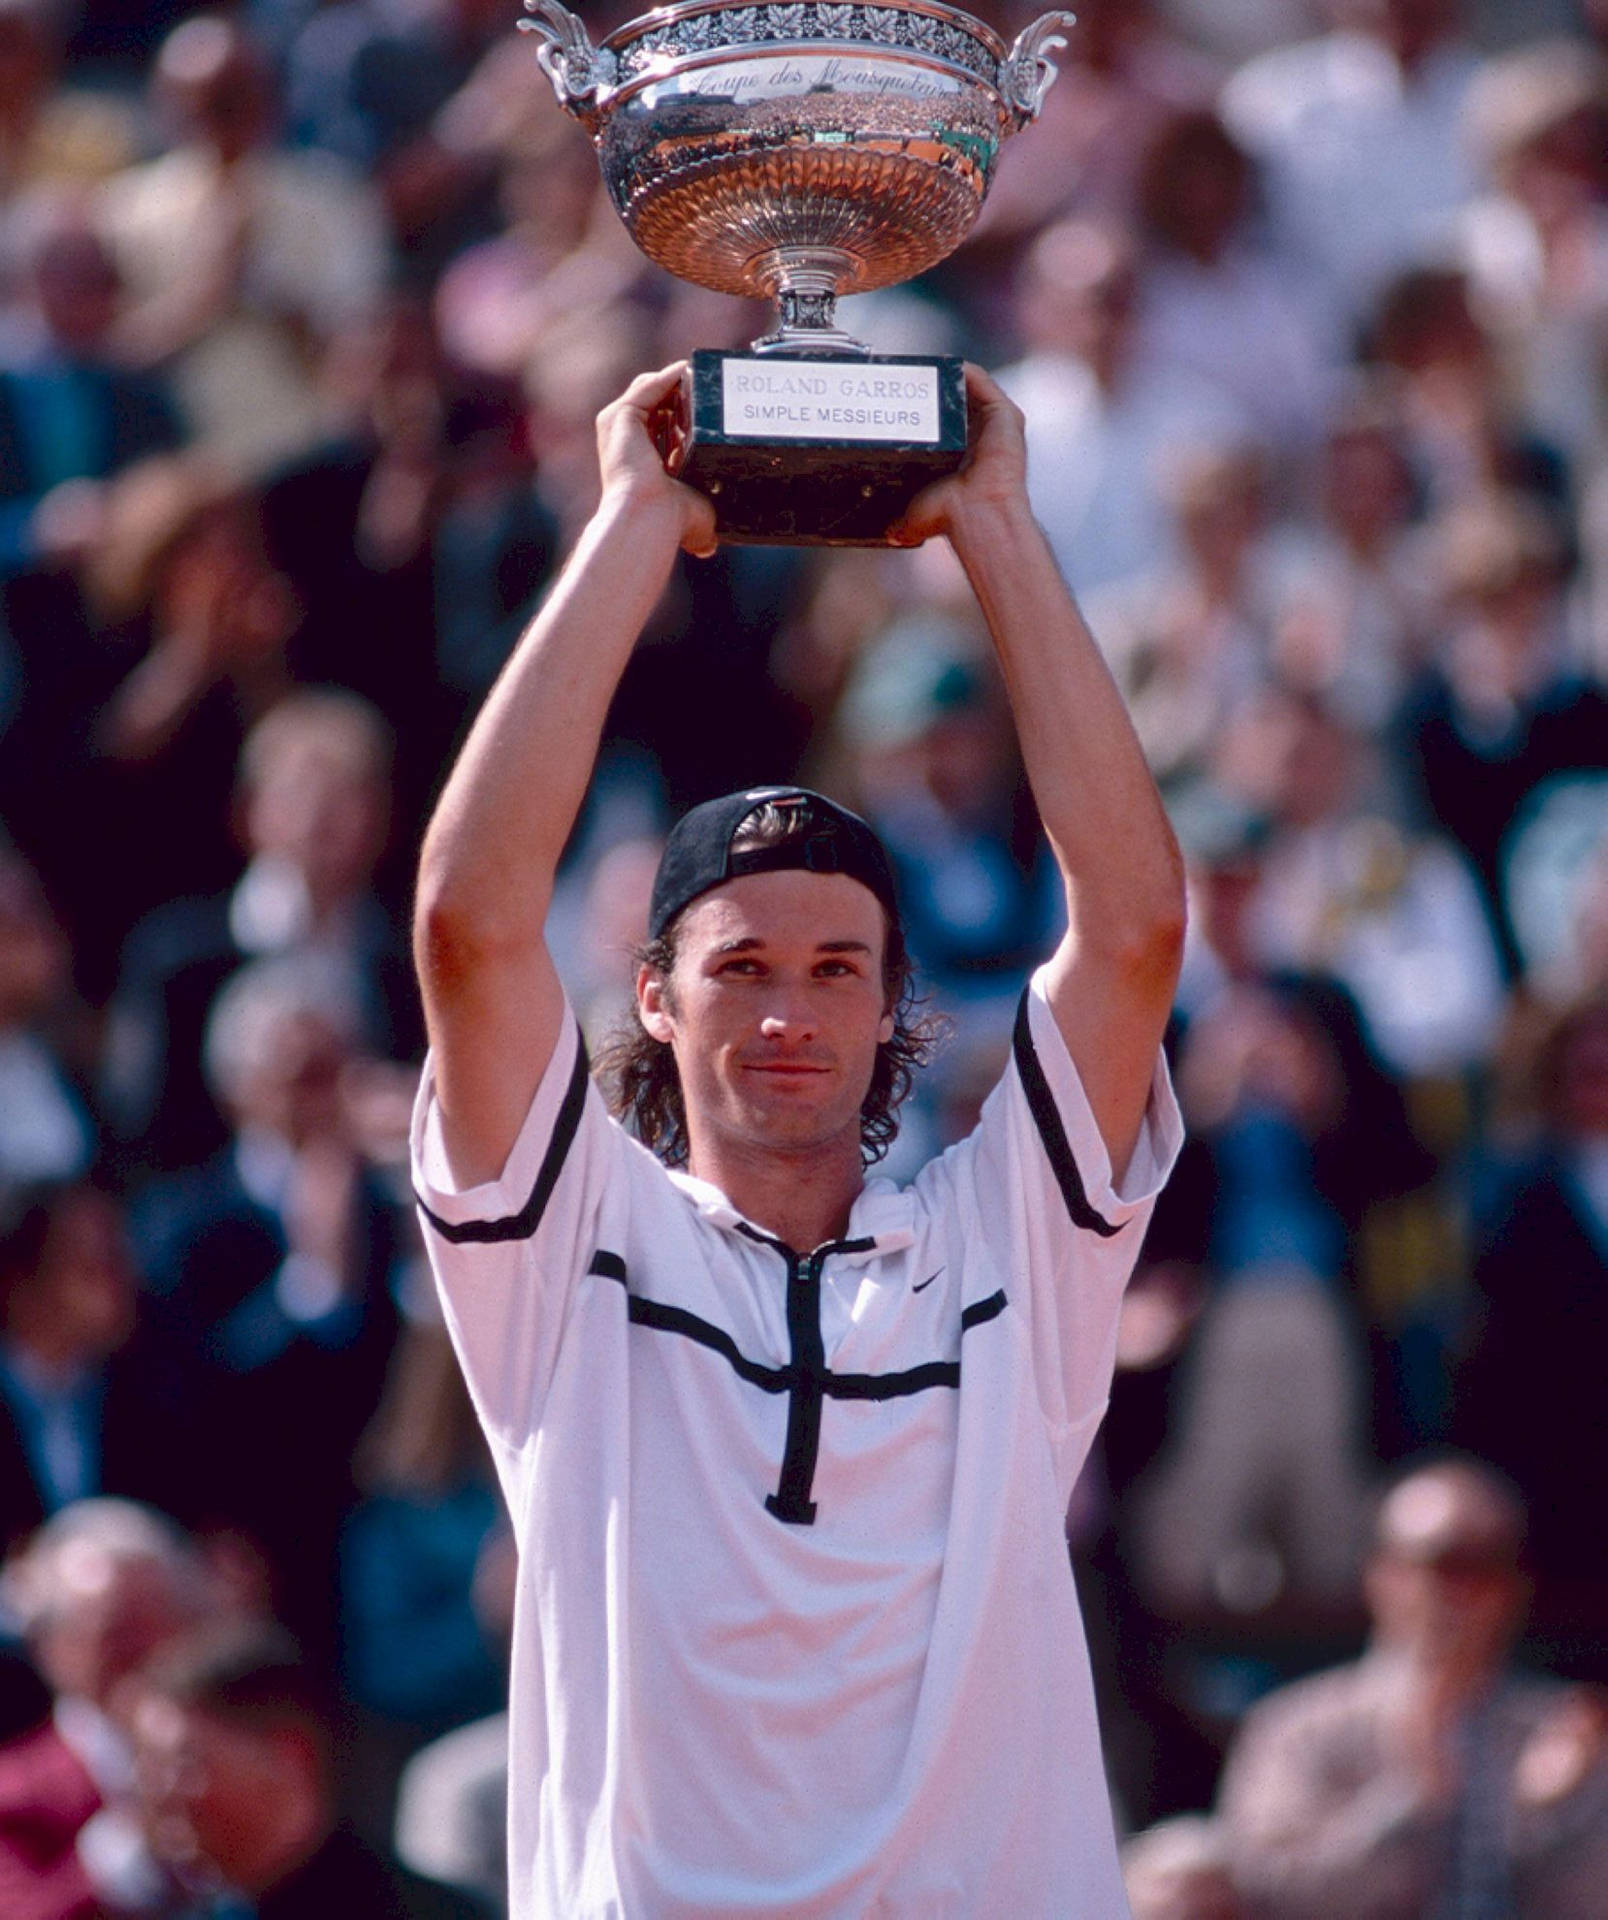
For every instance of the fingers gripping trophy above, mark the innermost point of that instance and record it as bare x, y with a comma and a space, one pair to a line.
800, 150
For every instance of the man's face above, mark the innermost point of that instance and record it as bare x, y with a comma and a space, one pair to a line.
775, 1009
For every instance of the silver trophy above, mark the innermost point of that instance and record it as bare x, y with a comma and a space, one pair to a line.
801, 150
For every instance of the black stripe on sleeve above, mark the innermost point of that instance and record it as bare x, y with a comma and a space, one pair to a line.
608, 1266
521, 1225
981, 1310
1047, 1118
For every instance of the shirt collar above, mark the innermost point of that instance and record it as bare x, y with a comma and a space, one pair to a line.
882, 1218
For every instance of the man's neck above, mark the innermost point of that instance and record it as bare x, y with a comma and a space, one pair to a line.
803, 1198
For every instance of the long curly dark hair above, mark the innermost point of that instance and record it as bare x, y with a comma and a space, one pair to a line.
639, 1075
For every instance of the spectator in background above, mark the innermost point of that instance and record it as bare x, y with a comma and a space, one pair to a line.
180, 599
279, 1257
1502, 706
1190, 640
561, 252
238, 256
54, 136
420, 1556
1257, 1500
71, 419
100, 1588
1099, 425
1346, 889
70, 414
419, 519
1429, 1777
233, 1756
1360, 135
95, 1397
1529, 1390
1462, 435
1123, 73
1352, 611
1536, 245
373, 82
1215, 301
312, 802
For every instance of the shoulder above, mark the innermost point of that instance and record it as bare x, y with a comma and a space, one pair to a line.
571, 1154
1039, 1120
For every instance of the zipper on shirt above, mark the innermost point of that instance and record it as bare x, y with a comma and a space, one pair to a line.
791, 1501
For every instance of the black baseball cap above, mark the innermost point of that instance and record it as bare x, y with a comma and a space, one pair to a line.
698, 854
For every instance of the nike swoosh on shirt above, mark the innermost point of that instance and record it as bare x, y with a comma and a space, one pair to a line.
927, 1282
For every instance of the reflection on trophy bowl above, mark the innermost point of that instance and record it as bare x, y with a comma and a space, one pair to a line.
800, 148
888, 209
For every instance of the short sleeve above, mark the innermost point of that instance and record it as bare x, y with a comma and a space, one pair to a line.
509, 1253
1033, 1185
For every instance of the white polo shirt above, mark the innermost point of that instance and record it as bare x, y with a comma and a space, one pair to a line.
796, 1631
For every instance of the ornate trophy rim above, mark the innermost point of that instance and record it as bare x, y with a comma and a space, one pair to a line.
678, 11
591, 79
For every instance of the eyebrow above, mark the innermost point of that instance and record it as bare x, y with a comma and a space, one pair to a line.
752, 943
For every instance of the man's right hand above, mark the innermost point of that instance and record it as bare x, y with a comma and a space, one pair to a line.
631, 434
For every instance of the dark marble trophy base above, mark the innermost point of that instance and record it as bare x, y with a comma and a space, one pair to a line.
817, 450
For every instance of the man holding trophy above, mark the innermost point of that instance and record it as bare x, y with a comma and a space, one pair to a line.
788, 1449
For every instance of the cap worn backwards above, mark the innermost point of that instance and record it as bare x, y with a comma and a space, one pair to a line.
698, 854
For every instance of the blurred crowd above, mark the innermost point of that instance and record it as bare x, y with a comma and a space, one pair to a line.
306, 311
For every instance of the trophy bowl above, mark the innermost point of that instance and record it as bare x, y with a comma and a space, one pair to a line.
799, 150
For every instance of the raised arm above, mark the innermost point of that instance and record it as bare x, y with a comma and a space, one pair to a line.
491, 997
1112, 978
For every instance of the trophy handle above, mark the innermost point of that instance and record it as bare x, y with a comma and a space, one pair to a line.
577, 69
1027, 73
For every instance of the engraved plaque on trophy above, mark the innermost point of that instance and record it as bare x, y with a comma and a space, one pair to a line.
802, 150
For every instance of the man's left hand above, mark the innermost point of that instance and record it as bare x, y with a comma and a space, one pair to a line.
994, 478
